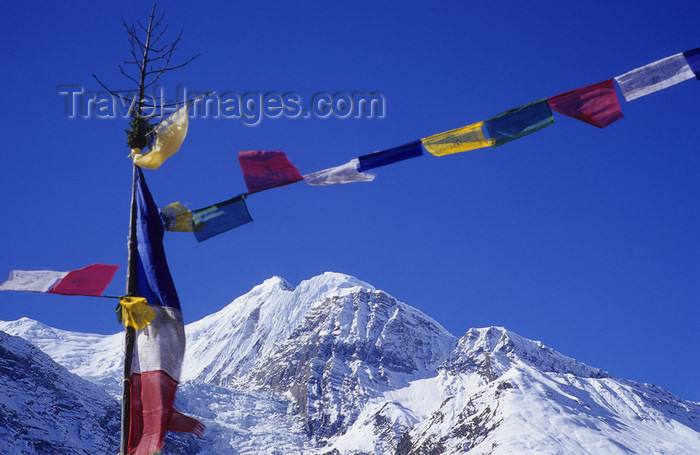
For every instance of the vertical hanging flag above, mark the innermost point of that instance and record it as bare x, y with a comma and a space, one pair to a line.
160, 347
91, 280
519, 122
654, 77
693, 60
469, 137
169, 136
219, 218
595, 104
345, 173
263, 170
389, 156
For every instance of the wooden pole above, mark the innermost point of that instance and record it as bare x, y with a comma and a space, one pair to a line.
130, 332
132, 290
131, 272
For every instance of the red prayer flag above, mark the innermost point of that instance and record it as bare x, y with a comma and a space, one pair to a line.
90, 280
596, 104
152, 413
263, 170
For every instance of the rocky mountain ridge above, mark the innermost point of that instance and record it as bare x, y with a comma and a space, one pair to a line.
337, 366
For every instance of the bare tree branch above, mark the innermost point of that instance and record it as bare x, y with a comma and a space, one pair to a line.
113, 92
151, 57
121, 70
142, 27
160, 35
163, 70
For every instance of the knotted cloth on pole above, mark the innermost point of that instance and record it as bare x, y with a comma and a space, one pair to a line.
169, 136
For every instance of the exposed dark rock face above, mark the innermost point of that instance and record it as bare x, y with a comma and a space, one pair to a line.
348, 349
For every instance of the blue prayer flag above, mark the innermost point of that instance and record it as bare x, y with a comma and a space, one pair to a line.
392, 155
154, 280
219, 218
519, 122
693, 59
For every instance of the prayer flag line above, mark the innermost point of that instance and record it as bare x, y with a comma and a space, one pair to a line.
597, 104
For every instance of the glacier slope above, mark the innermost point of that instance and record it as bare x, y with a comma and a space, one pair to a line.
337, 366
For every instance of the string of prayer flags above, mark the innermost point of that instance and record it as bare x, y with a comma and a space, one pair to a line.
135, 312
263, 170
518, 122
654, 77
390, 156
469, 137
693, 60
345, 173
595, 104
176, 217
91, 280
219, 218
169, 136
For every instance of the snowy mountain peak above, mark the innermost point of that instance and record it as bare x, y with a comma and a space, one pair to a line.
31, 329
492, 351
350, 347
335, 366
27, 328
330, 281
271, 283
325, 282
226, 344
91, 356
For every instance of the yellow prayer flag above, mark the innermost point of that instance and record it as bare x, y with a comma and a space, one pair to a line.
169, 136
136, 312
459, 140
177, 217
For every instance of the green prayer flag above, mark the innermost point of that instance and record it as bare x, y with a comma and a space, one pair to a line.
519, 122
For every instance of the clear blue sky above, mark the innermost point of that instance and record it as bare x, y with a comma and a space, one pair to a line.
585, 239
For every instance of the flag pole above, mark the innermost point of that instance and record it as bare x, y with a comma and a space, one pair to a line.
131, 271
138, 138
129, 332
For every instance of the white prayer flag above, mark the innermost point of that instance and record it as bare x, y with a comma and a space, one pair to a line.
32, 280
654, 76
345, 173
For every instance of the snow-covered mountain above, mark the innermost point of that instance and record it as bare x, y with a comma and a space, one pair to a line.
335, 366
46, 409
